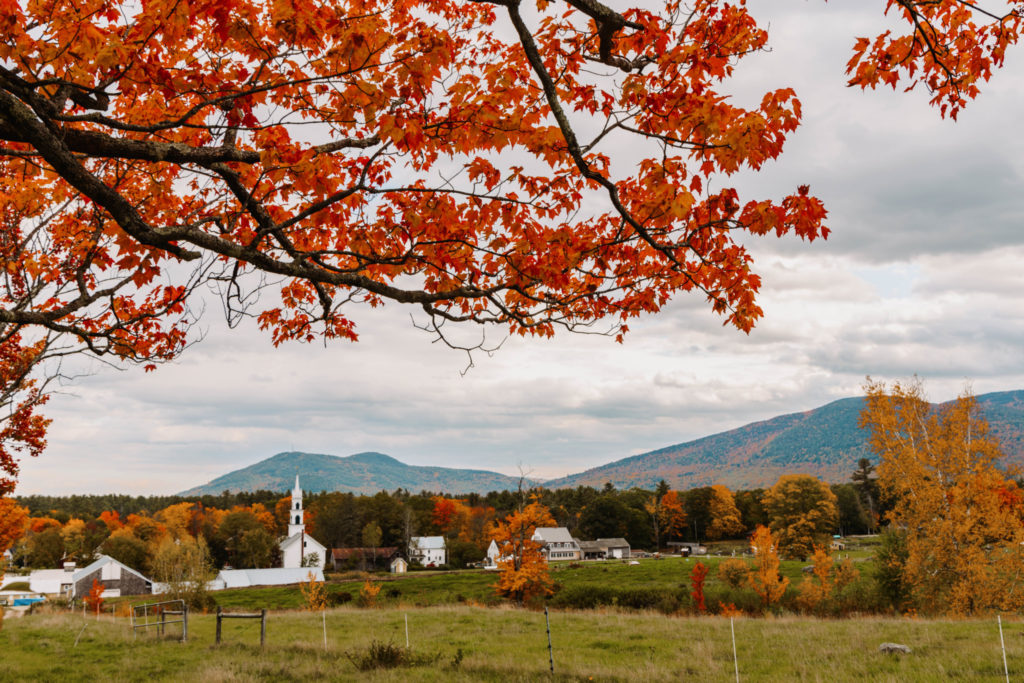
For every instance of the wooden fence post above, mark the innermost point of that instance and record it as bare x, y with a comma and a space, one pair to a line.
218, 623
263, 627
551, 656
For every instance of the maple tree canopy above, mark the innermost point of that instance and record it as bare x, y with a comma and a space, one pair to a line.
538, 166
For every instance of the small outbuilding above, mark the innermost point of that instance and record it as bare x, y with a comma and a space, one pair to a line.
615, 548
399, 566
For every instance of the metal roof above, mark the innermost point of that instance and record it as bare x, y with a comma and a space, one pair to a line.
243, 578
554, 534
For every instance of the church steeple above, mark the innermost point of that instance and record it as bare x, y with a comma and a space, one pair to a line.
296, 525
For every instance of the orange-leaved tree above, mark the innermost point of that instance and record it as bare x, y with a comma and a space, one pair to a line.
523, 569
697, 576
94, 598
314, 593
726, 520
961, 515
356, 153
765, 578
13, 523
672, 515
802, 511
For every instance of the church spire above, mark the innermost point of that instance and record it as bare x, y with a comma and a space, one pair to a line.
296, 523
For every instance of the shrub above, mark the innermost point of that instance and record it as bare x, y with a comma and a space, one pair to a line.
381, 655
335, 599
368, 594
387, 655
585, 597
734, 572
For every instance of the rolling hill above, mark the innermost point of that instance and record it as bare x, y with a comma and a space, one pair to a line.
825, 442
359, 473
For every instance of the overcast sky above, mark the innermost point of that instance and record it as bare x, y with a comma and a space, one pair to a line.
922, 275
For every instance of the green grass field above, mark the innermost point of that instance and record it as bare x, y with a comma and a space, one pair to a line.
459, 630
424, 589
505, 644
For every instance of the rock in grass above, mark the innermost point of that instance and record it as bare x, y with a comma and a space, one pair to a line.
894, 648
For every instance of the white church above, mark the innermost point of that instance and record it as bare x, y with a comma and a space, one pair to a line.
299, 549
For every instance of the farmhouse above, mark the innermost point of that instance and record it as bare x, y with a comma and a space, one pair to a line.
557, 543
299, 549
430, 551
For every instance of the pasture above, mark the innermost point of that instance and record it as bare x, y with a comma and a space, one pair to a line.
467, 643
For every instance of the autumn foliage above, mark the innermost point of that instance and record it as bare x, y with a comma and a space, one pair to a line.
314, 593
362, 152
435, 154
952, 48
802, 511
13, 522
961, 516
94, 598
765, 578
725, 516
697, 577
523, 570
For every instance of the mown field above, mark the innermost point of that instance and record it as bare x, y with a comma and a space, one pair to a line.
465, 643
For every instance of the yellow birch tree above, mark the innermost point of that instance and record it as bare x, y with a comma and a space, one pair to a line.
961, 514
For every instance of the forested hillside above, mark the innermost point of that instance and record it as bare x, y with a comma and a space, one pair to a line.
824, 442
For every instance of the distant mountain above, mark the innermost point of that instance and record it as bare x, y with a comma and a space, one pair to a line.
360, 473
825, 442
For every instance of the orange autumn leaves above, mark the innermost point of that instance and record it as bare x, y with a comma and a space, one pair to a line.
961, 516
952, 48
524, 571
364, 152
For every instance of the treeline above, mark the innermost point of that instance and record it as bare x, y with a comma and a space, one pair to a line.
241, 529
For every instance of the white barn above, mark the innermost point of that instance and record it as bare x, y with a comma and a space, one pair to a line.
116, 577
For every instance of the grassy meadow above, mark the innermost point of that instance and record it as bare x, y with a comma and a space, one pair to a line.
466, 643
460, 631
670, 574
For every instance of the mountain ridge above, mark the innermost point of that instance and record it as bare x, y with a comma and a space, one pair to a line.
824, 441
367, 472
